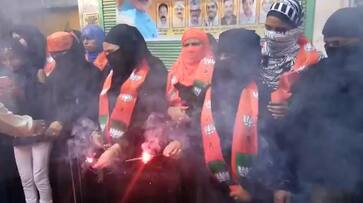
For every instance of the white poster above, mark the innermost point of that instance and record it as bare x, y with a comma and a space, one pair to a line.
88, 12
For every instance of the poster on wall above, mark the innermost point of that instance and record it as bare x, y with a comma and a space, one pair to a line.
168, 19
88, 12
356, 3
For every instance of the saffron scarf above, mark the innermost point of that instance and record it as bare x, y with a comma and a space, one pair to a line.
115, 125
245, 140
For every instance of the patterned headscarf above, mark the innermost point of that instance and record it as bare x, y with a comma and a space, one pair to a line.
289, 11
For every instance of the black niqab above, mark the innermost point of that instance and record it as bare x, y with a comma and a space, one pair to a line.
132, 51
35, 51
344, 23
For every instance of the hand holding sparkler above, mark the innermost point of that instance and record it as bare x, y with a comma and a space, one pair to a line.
54, 129
173, 150
39, 127
145, 158
239, 193
107, 157
96, 139
178, 113
282, 196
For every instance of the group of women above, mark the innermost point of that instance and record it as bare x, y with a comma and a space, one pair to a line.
213, 125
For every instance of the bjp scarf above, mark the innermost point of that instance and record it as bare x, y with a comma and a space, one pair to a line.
115, 125
245, 140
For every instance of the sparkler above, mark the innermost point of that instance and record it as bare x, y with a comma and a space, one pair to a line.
89, 160
145, 158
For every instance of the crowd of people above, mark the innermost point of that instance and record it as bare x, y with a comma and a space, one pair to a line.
94, 117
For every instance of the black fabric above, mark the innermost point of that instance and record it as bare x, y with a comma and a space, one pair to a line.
237, 64
73, 88
151, 99
11, 189
132, 51
345, 22
34, 53
30, 100
154, 180
324, 134
325, 141
72, 91
230, 77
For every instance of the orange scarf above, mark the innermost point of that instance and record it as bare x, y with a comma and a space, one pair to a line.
101, 61
49, 65
306, 57
115, 126
201, 78
194, 66
245, 140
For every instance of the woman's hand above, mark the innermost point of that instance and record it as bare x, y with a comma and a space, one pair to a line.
39, 127
107, 157
239, 194
173, 150
54, 129
96, 139
282, 196
178, 113
278, 110
41, 76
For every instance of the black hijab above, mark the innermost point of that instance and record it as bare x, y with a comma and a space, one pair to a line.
30, 44
237, 64
132, 51
345, 23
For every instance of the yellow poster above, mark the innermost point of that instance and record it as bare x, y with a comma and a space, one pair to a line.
172, 17
168, 19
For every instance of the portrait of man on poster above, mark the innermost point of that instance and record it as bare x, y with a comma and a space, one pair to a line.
179, 13
163, 15
229, 17
212, 17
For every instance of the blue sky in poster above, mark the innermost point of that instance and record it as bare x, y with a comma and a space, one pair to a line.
128, 14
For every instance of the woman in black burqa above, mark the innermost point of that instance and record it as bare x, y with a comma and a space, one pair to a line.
237, 65
158, 181
72, 90
324, 125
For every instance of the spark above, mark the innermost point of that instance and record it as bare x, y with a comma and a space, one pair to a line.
89, 160
146, 157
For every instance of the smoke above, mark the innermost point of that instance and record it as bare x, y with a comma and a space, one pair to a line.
322, 131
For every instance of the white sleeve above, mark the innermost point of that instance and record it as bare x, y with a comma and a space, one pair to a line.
14, 125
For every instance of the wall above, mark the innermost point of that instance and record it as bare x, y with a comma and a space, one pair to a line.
48, 16
323, 9
57, 19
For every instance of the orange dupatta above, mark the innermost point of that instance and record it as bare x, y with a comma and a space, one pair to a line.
101, 61
245, 140
115, 126
202, 78
306, 57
